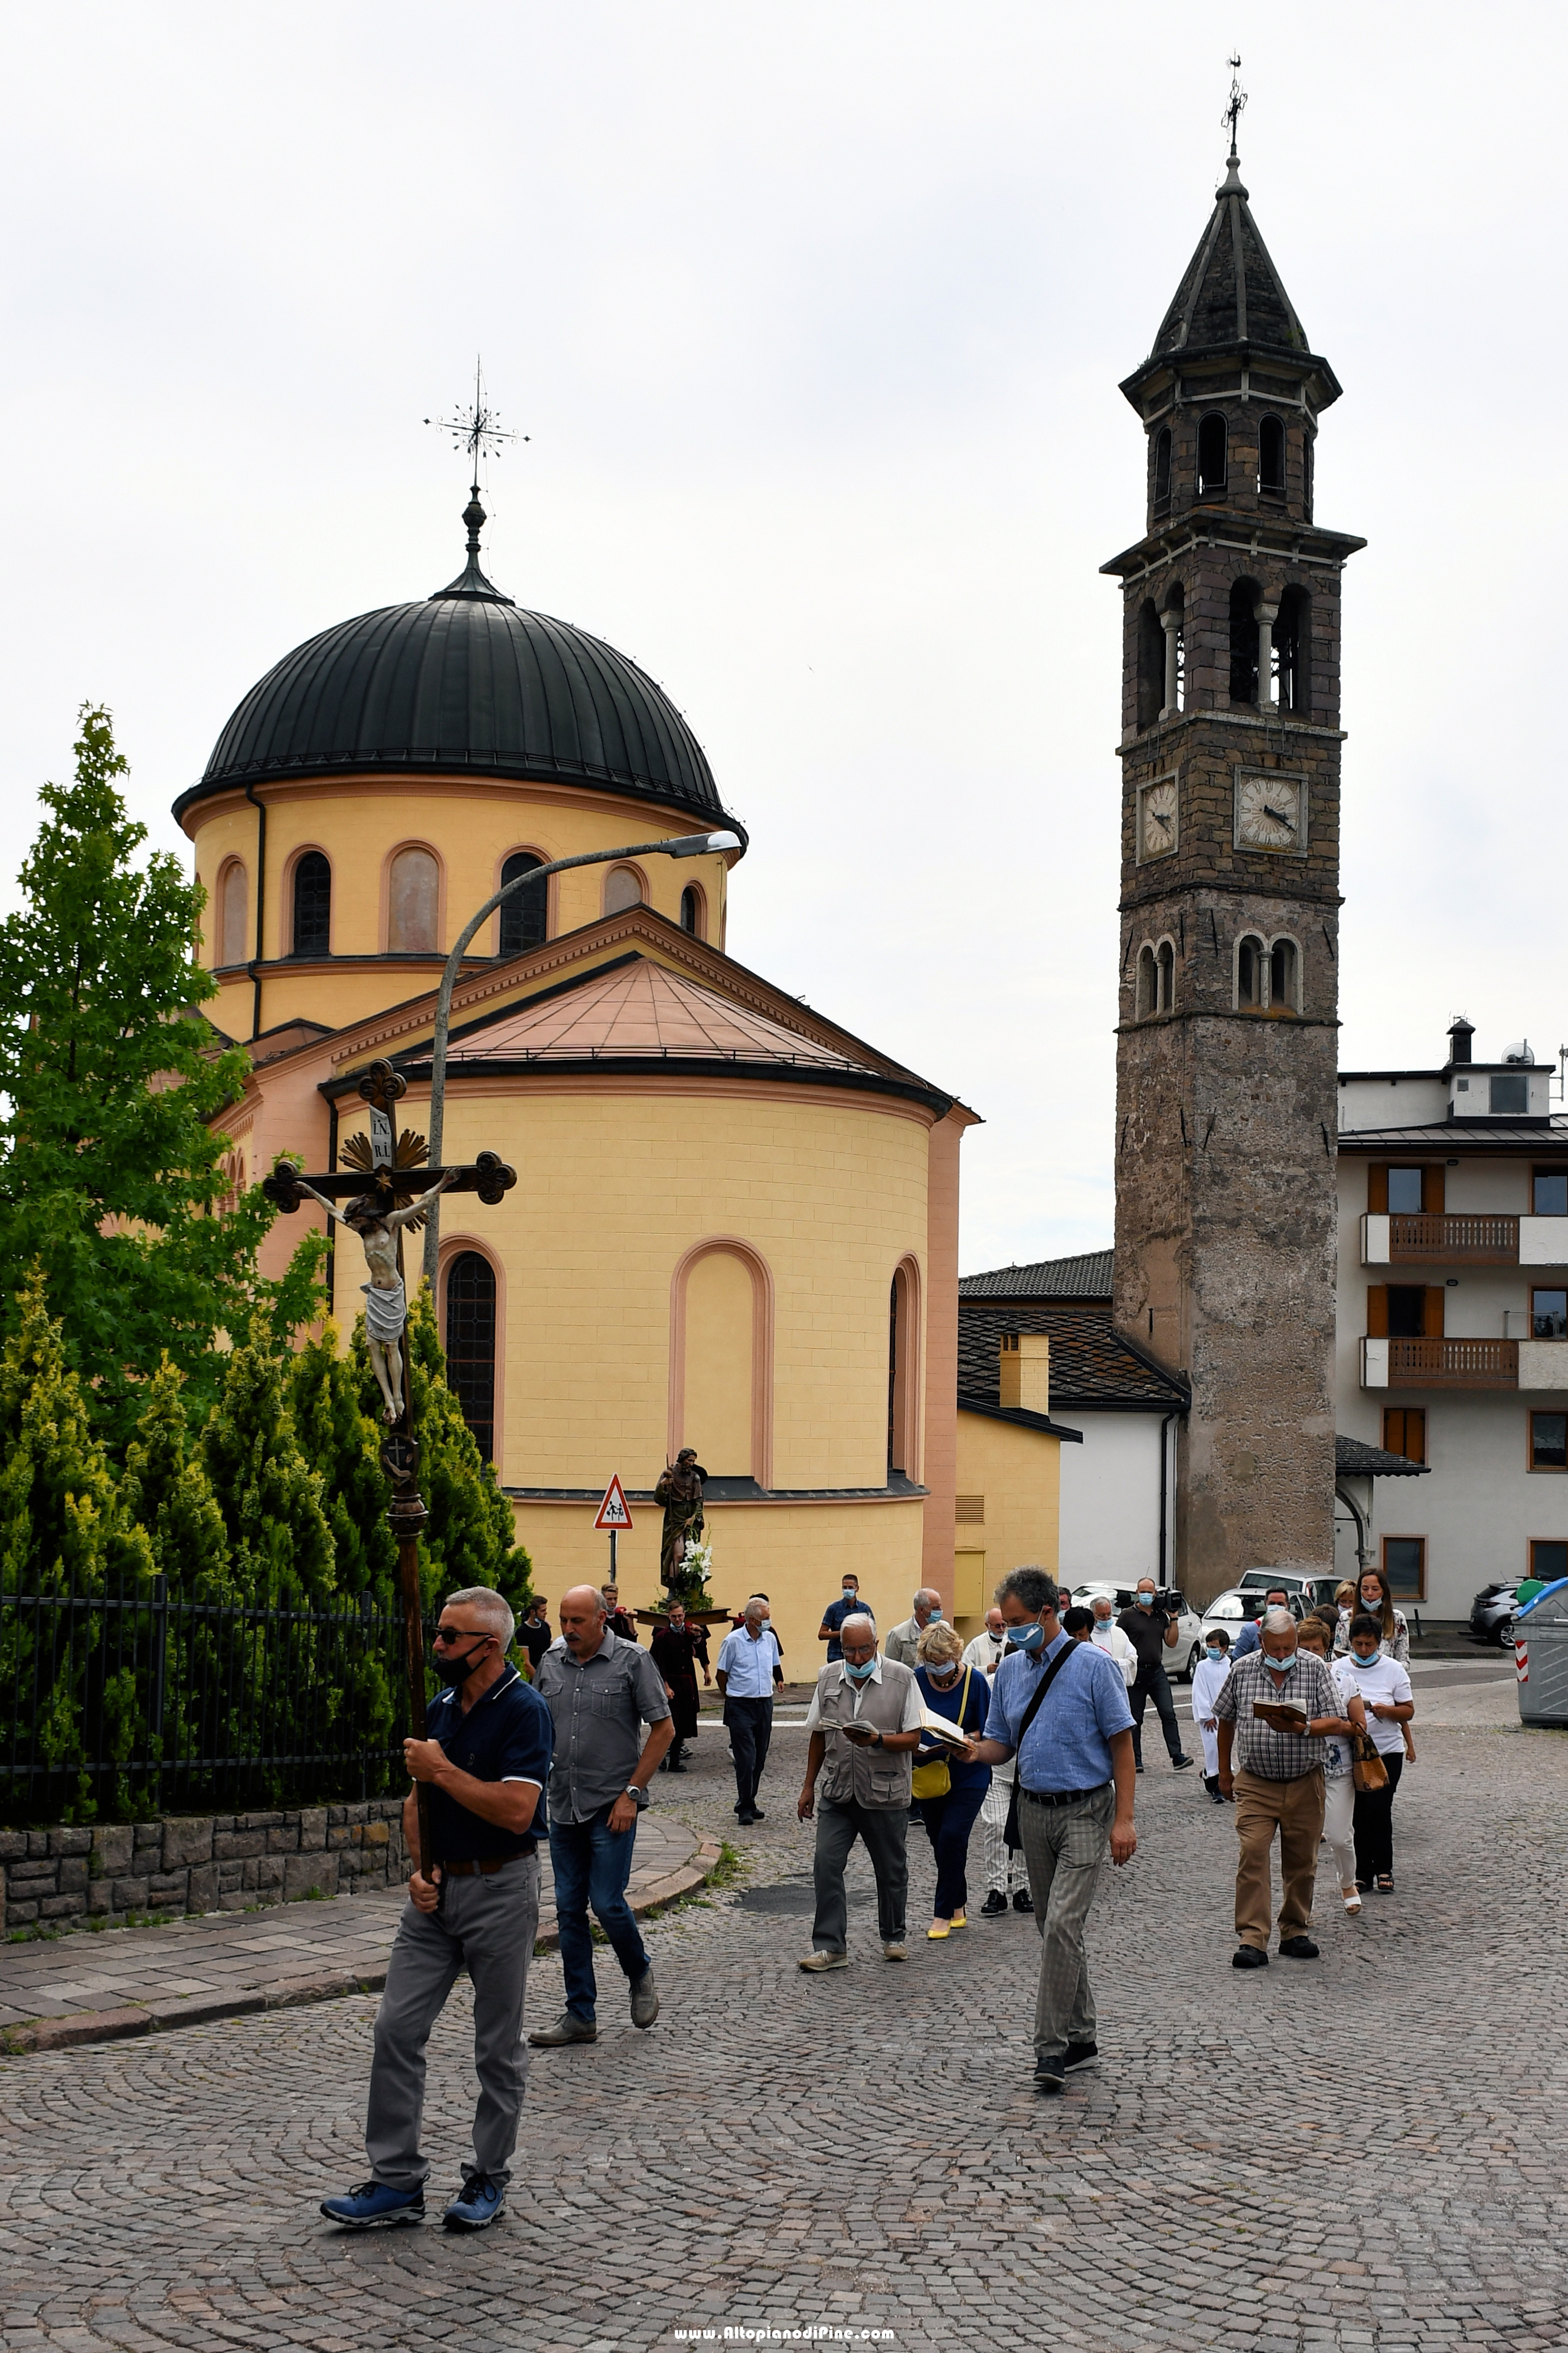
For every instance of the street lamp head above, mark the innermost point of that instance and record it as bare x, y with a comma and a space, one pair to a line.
699, 845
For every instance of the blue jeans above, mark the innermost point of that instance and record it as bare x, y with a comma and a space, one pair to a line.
592, 1864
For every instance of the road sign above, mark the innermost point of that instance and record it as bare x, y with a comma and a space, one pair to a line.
614, 1517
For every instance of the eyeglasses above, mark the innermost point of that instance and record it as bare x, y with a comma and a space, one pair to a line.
459, 1633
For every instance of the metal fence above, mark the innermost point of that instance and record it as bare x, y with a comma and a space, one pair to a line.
133, 1701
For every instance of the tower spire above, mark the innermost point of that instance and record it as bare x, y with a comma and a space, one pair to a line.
1232, 183
479, 430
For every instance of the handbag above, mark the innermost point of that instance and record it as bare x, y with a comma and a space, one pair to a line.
1012, 1834
1367, 1767
934, 1779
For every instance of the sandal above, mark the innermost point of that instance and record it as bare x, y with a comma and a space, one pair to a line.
1385, 1883
1351, 1900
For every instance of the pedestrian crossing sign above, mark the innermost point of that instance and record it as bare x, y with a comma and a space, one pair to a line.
613, 1512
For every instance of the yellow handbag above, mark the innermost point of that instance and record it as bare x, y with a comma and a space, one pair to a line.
934, 1780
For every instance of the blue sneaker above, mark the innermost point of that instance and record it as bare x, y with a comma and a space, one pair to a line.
477, 2204
374, 2202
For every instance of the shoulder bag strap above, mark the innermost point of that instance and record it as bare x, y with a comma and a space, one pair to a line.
1046, 1680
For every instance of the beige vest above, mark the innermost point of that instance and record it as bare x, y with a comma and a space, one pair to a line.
851, 1772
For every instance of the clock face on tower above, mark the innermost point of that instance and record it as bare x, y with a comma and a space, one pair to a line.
1157, 819
1270, 813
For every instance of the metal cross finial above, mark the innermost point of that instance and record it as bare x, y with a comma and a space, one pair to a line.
477, 429
1237, 101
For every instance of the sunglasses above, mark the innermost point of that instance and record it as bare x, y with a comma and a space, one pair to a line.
459, 1633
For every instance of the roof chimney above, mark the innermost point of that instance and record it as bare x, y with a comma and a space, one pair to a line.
1024, 1370
1461, 1033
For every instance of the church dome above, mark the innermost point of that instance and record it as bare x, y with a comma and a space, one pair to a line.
464, 680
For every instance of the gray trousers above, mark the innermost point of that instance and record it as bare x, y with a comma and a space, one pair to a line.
885, 1831
487, 1927
1065, 1849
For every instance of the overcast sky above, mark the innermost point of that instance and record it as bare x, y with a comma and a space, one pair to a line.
815, 316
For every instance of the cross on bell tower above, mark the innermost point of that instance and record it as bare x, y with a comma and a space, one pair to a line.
1230, 933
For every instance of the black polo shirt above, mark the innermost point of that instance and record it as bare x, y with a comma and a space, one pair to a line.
506, 1736
1145, 1629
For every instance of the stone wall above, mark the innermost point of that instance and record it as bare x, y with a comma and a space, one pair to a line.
207, 1862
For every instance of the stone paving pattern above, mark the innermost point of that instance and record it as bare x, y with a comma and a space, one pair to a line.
1364, 2152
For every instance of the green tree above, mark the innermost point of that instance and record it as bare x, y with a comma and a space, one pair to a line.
167, 1491
270, 1497
340, 1437
111, 1176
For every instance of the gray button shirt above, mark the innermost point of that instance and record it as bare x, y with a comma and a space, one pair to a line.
599, 1708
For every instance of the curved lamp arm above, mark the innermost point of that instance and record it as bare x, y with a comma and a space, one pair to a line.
685, 845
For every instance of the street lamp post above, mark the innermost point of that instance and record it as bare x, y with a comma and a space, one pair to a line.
685, 845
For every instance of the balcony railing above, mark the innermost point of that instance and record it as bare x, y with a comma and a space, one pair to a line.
1435, 1240
1448, 1363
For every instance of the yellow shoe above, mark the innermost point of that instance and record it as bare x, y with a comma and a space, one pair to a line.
958, 1921
938, 1929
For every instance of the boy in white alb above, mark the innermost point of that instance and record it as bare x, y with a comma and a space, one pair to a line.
1339, 1780
1208, 1680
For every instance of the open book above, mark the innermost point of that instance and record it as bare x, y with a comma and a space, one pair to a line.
942, 1727
1284, 1715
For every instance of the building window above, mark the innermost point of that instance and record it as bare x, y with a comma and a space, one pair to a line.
1550, 1195
623, 889
1408, 1311
413, 904
1404, 1565
1548, 1559
234, 914
1405, 1431
1148, 985
901, 1385
1404, 1192
471, 1344
1251, 970
312, 905
1211, 456
1510, 1094
524, 917
1283, 966
691, 911
1549, 1441
1271, 457
1244, 641
1549, 1314
1151, 665
1162, 467
1166, 962
1292, 644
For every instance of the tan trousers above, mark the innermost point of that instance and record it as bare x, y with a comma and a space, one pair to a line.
1296, 1809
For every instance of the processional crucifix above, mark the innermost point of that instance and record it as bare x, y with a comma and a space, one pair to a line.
385, 1196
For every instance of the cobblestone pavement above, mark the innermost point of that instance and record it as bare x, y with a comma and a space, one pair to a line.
1366, 2152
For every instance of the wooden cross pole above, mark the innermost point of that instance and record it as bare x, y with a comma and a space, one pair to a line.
388, 1187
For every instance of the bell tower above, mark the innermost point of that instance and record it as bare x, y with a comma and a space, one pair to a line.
1225, 1095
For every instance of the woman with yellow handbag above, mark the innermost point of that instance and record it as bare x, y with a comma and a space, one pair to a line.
948, 1793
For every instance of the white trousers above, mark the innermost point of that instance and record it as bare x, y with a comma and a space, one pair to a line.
1005, 1868
1339, 1809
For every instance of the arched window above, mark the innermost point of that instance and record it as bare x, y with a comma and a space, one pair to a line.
1251, 975
903, 1386
233, 914
1211, 456
312, 905
1307, 478
623, 889
1148, 999
1162, 467
1167, 977
1173, 624
413, 904
1151, 665
1271, 457
471, 1344
692, 913
720, 1309
524, 917
1244, 597
1292, 648
1284, 966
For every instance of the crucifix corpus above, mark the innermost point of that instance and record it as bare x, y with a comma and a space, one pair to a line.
385, 1194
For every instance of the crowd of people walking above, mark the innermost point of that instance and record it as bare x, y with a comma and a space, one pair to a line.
1033, 1729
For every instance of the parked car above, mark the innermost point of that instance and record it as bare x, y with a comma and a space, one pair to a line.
1183, 1657
1243, 1602
1492, 1611
1308, 1590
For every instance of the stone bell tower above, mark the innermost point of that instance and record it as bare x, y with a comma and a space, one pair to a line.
1225, 1111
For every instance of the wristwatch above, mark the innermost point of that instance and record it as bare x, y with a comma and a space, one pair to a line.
639, 1798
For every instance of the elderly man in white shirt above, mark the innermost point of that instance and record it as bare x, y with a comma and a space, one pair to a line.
984, 1653
1109, 1636
749, 1666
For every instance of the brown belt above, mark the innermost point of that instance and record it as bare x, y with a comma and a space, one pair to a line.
486, 1869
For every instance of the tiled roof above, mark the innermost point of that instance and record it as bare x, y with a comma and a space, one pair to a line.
1461, 1136
1087, 1276
641, 1009
1091, 1364
1356, 1460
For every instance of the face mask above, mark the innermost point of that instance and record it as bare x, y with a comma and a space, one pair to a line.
942, 1676
1215, 1651
851, 1594
935, 1617
1027, 1638
1369, 1662
1281, 1666
1372, 1601
1145, 1600
859, 1673
457, 1671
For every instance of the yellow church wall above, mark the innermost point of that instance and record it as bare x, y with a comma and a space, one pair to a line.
795, 1553
1017, 1474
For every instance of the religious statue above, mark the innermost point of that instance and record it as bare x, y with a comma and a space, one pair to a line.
385, 1301
679, 1490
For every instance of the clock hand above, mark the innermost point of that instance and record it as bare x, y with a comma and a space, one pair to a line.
1278, 816
1160, 821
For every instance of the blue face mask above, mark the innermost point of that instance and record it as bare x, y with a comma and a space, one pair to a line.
1144, 1600
1215, 1654
1027, 1638
859, 1673
1282, 1666
1359, 1661
935, 1617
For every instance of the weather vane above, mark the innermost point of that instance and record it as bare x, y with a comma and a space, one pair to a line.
477, 429
1237, 101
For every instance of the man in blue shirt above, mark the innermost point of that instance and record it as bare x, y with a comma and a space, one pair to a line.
1248, 1639
474, 1906
1075, 1780
833, 1616
748, 1667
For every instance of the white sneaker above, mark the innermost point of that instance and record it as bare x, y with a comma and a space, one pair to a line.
895, 1952
826, 1961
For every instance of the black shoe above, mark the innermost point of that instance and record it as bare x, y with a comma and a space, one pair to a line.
1049, 2074
1299, 1948
1249, 1957
1023, 1901
758, 1815
1180, 1763
996, 1902
677, 1767
745, 1820
1080, 2054
1137, 1768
